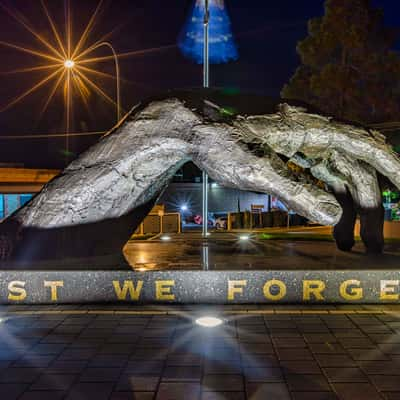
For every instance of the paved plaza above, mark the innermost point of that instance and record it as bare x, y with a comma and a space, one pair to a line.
148, 352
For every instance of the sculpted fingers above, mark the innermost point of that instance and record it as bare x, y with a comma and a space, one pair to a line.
234, 164
361, 180
292, 130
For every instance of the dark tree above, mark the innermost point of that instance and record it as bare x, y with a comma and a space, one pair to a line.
349, 69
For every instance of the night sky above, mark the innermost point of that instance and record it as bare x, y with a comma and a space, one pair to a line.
266, 33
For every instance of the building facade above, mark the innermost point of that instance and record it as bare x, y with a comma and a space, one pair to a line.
18, 185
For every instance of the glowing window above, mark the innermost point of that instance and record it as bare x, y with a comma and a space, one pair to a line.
11, 203
24, 199
1, 206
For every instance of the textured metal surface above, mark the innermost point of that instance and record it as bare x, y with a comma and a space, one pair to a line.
133, 164
199, 287
121, 172
339, 154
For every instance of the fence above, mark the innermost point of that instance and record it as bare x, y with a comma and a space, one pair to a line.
248, 220
160, 223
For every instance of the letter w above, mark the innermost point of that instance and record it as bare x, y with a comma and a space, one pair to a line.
134, 292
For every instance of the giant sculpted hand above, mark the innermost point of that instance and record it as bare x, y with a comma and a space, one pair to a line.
100, 198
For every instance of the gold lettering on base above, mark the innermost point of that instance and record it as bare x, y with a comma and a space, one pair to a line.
16, 292
53, 285
387, 290
134, 292
313, 288
351, 293
267, 290
163, 290
235, 287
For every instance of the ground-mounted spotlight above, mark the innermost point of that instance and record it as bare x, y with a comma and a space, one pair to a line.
209, 322
165, 238
244, 238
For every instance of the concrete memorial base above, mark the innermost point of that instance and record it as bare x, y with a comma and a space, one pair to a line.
214, 287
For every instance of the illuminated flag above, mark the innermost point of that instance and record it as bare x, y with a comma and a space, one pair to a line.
222, 47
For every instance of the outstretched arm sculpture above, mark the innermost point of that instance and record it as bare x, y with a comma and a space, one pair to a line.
101, 197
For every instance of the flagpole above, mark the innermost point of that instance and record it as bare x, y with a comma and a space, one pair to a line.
206, 73
206, 62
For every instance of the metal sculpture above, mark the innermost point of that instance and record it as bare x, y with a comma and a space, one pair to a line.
94, 205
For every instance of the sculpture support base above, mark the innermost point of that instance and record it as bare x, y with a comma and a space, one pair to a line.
343, 232
371, 229
214, 287
371, 225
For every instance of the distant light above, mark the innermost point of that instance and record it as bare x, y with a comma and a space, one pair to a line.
165, 237
208, 233
69, 64
209, 322
244, 237
300, 233
141, 269
214, 185
184, 207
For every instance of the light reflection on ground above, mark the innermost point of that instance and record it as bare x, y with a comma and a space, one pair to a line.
225, 251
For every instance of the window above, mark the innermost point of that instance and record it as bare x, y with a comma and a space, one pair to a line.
1, 206
24, 199
11, 203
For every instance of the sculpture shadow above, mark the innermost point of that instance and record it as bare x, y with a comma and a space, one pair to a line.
85, 246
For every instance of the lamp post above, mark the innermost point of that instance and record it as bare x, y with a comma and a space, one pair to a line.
69, 64
206, 65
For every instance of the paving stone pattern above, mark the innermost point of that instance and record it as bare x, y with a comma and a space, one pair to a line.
263, 353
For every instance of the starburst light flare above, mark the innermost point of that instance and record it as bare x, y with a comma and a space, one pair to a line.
61, 59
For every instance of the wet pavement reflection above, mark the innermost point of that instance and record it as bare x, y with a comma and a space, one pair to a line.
234, 251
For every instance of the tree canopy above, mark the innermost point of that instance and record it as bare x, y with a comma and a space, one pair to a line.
349, 68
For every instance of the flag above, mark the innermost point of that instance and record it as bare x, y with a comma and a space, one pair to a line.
222, 47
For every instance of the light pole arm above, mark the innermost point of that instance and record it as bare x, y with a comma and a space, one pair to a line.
107, 44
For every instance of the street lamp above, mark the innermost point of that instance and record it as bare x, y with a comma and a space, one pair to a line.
69, 64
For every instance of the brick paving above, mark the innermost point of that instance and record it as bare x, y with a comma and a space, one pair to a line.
260, 352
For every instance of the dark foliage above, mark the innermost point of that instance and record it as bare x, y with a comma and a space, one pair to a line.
349, 69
